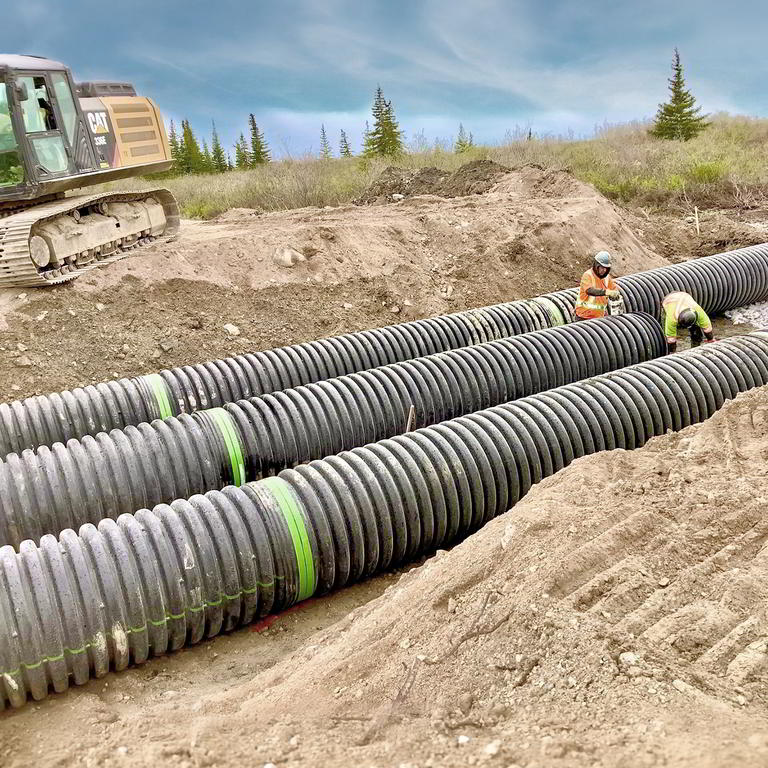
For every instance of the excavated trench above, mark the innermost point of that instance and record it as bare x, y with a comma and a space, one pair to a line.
154, 580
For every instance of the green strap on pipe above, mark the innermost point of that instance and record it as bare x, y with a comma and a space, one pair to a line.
162, 396
552, 310
291, 509
228, 429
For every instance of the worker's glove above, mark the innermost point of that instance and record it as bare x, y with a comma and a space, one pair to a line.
612, 294
709, 341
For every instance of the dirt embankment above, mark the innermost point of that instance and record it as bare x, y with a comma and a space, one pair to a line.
352, 267
624, 627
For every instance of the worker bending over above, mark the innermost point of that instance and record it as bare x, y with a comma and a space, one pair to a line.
597, 286
679, 310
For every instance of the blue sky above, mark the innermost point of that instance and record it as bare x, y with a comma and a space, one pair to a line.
559, 66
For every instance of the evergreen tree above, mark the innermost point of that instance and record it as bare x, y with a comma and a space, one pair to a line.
325, 146
464, 141
242, 155
366, 139
679, 118
207, 158
173, 140
259, 148
191, 159
386, 138
344, 149
218, 156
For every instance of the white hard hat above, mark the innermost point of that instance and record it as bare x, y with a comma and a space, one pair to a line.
604, 259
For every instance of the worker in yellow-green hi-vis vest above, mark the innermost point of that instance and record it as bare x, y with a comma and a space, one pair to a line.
679, 310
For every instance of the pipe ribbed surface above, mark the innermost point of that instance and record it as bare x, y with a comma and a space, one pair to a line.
48, 419
148, 583
110, 474
720, 282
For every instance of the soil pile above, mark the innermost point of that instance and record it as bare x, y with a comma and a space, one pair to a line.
351, 267
395, 183
623, 627
677, 239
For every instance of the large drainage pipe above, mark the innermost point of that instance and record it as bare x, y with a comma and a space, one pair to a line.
48, 419
148, 583
125, 470
719, 282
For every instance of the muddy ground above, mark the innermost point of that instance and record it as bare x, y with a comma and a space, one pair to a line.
626, 628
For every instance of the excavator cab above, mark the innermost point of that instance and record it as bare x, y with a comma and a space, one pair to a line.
43, 131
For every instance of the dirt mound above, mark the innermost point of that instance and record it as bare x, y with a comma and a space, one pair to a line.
473, 178
533, 181
395, 183
623, 627
355, 267
676, 237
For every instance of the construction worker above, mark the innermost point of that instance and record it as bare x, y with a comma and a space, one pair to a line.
680, 310
597, 286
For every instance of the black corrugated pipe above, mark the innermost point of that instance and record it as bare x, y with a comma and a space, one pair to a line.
148, 583
48, 419
110, 474
719, 282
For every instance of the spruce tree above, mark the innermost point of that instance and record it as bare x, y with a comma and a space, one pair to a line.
344, 149
242, 155
218, 156
207, 158
679, 118
393, 136
173, 140
367, 148
326, 153
385, 138
464, 141
259, 148
191, 157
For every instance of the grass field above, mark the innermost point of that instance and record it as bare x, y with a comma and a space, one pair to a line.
727, 166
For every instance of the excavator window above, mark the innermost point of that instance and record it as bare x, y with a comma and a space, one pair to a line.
41, 125
37, 110
66, 105
11, 167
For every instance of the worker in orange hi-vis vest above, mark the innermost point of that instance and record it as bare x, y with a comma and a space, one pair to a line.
596, 288
680, 310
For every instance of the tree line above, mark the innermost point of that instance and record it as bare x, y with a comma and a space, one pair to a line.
384, 139
679, 118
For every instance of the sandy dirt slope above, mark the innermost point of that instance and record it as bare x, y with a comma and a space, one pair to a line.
627, 628
363, 266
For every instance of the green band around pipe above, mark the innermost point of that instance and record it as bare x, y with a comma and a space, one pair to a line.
160, 391
552, 309
228, 429
291, 509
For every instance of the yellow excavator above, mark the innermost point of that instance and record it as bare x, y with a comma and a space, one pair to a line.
56, 136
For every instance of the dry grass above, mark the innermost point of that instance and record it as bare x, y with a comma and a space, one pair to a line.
727, 166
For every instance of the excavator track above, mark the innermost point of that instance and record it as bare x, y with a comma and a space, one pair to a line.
17, 231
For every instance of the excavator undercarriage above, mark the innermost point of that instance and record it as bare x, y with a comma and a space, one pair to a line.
61, 239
